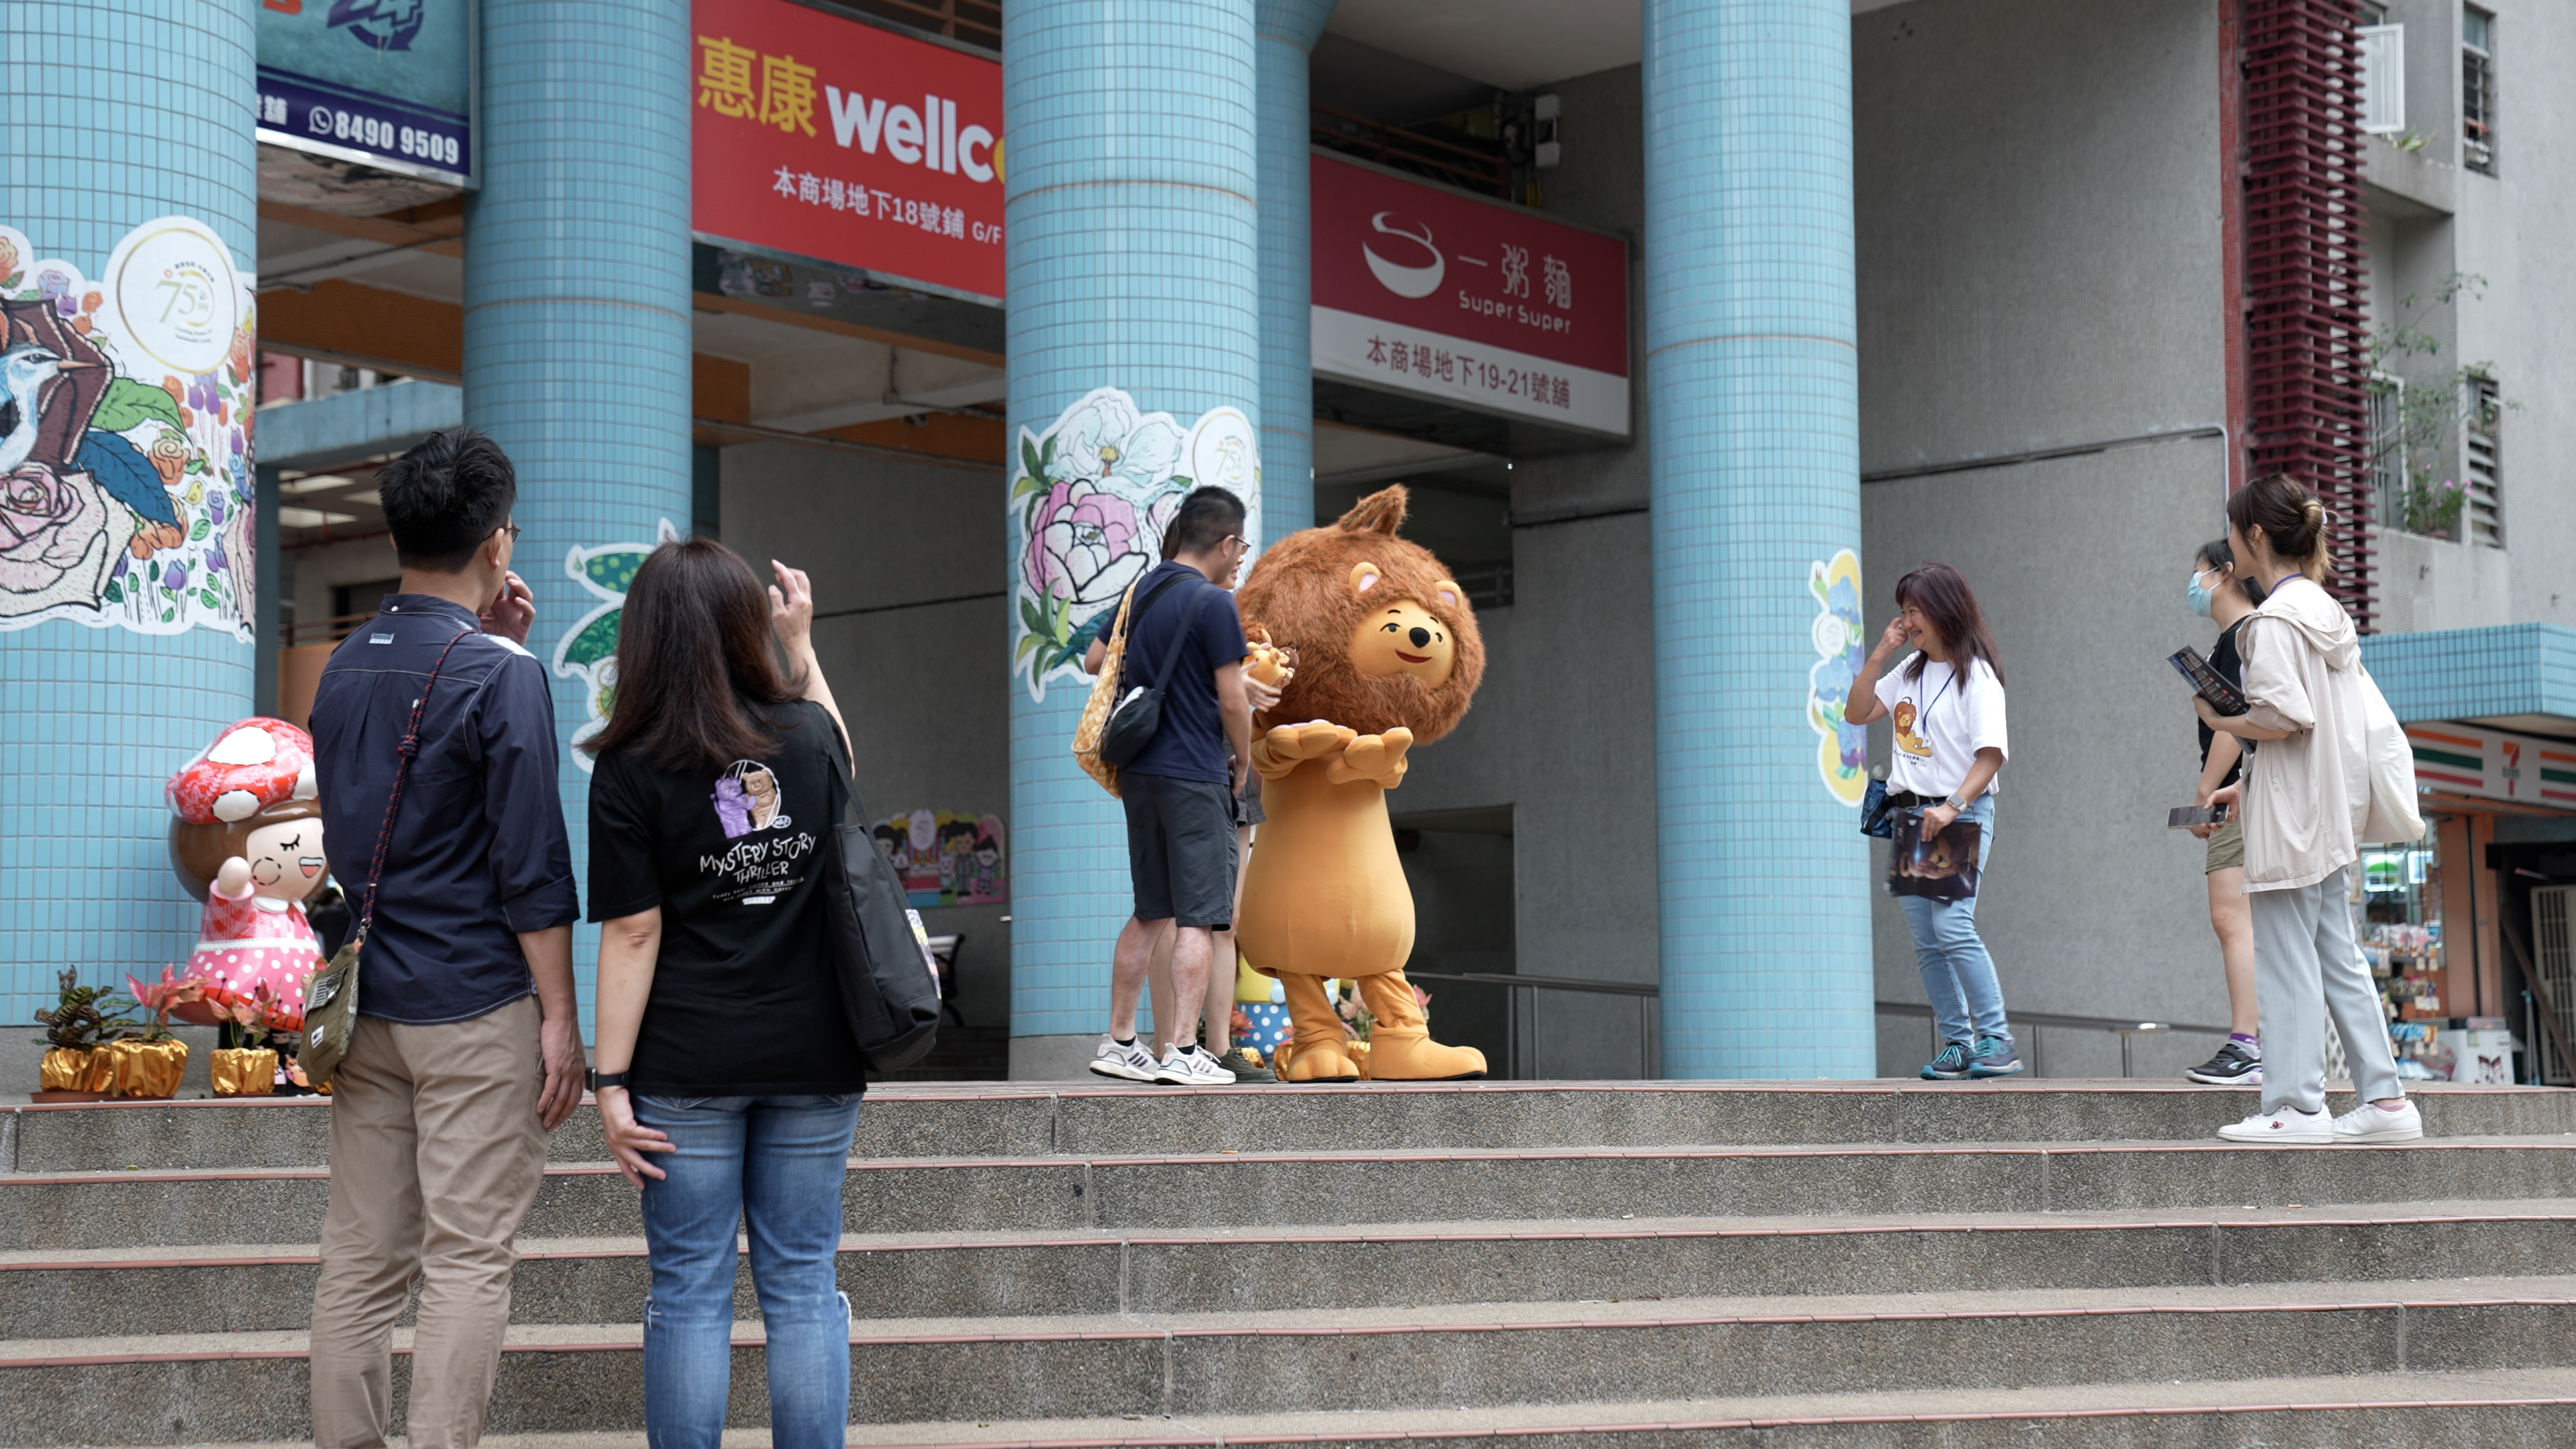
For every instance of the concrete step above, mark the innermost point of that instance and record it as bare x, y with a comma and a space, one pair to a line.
178, 1388
1260, 1190
2520, 1409
237, 1289
912, 1120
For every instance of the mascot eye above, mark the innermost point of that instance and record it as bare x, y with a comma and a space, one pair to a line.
1387, 629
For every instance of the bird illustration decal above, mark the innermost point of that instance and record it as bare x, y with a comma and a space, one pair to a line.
24, 371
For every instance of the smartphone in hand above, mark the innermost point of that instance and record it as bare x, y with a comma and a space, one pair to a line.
2184, 817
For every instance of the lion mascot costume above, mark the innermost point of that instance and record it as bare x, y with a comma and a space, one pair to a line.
1388, 657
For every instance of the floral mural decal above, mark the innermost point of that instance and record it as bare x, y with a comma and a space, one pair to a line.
1089, 499
126, 495
1842, 754
587, 653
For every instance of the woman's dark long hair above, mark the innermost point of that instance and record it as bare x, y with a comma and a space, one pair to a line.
694, 663
2218, 555
1942, 593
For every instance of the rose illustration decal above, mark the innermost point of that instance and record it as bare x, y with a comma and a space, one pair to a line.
1089, 499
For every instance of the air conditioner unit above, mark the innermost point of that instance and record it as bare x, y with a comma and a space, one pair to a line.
2553, 945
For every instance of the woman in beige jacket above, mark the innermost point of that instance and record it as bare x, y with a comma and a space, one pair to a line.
2303, 799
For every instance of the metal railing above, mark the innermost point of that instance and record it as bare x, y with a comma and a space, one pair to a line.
1649, 1039
2124, 1028
1468, 167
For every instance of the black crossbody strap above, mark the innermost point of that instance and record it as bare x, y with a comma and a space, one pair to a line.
1172, 652
405, 753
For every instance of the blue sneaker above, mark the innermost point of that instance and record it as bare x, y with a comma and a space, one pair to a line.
1993, 1056
1950, 1066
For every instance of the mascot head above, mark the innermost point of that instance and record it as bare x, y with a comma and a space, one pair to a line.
1384, 637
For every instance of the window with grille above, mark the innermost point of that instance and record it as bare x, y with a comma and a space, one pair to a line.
2388, 448
2383, 78
2482, 517
2477, 90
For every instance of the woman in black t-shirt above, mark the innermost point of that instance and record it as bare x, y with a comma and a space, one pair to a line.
2218, 593
724, 1055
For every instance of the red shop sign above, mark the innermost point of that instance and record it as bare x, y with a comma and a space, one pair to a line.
1427, 291
825, 138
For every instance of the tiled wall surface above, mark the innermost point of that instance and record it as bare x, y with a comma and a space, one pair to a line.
1133, 261
1753, 434
113, 115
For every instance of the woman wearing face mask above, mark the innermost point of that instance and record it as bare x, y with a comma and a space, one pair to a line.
2219, 594
2306, 796
1947, 702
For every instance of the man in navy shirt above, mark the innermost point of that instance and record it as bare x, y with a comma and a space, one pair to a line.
1180, 791
467, 1048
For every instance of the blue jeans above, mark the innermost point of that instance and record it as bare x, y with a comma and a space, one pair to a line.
779, 1161
1958, 975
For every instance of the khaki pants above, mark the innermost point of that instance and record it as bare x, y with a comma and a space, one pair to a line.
436, 1153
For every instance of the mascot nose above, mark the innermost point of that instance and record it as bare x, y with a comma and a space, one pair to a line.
1421, 638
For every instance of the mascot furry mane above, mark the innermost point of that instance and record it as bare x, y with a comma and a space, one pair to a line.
1301, 591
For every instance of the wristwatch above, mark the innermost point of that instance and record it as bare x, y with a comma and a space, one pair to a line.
599, 1079
1955, 803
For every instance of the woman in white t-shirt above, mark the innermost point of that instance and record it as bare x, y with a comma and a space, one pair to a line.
1946, 702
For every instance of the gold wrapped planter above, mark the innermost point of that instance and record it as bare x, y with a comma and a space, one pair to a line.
71, 1075
149, 1069
243, 1071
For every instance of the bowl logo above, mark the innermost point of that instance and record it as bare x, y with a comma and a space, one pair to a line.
1410, 281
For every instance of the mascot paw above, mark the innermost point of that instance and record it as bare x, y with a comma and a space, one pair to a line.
1285, 748
1414, 1057
1377, 759
1316, 1062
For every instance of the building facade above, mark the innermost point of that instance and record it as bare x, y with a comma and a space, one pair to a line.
1825, 288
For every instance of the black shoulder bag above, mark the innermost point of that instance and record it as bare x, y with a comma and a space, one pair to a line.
889, 988
1139, 716
331, 997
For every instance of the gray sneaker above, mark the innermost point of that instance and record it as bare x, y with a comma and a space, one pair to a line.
1244, 1071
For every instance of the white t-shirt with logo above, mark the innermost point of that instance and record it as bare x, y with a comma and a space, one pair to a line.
1941, 721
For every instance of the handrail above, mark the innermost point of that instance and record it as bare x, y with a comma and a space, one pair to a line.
2126, 1029
1649, 1045
1552, 983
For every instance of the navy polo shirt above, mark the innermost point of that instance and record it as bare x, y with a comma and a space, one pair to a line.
479, 852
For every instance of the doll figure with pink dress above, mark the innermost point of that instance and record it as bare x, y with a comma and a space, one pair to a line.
246, 839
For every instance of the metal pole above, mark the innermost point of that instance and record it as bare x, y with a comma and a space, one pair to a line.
270, 579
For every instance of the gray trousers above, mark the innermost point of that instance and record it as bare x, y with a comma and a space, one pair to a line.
2306, 964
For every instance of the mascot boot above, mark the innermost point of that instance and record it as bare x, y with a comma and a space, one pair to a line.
1400, 1045
1321, 1051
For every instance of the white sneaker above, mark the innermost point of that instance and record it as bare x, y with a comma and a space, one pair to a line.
1133, 1062
2283, 1128
1190, 1067
2370, 1122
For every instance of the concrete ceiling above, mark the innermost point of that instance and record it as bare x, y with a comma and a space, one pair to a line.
1511, 45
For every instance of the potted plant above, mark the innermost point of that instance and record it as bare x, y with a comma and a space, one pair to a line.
147, 1061
76, 1069
248, 1030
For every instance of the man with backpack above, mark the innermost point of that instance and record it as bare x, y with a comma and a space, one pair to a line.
1185, 639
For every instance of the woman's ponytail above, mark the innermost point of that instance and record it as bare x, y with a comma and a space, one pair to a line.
2293, 521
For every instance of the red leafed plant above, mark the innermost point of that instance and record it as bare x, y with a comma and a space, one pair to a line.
158, 997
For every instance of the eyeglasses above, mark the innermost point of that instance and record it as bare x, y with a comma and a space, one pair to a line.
511, 529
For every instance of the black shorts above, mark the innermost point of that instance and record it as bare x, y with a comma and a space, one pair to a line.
1180, 849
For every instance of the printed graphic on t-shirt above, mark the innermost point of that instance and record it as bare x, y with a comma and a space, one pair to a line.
755, 871
747, 799
1906, 739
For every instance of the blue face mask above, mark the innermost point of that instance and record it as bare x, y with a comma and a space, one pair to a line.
2198, 593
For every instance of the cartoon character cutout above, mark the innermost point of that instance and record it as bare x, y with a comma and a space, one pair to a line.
747, 799
1906, 739
246, 838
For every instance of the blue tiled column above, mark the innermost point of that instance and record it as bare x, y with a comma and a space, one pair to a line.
1133, 265
1752, 427
577, 304
1285, 32
111, 116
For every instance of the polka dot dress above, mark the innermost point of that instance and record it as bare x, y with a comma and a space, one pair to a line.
243, 943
